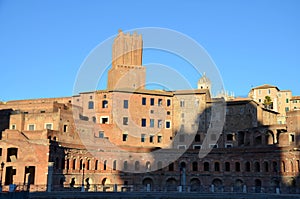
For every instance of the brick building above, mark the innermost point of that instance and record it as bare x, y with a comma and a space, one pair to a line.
130, 138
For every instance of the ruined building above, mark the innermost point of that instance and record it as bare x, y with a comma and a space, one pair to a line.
128, 138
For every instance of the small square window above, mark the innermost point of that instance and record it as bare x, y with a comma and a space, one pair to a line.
168, 124
48, 126
13, 127
125, 120
168, 113
31, 127
196, 146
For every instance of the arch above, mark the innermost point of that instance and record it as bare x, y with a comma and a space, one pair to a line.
137, 165
105, 181
195, 166
148, 166
104, 103
195, 184
149, 181
227, 166
88, 165
217, 166
256, 167
247, 167
182, 164
237, 167
238, 185
257, 184
81, 164
218, 185
68, 164
206, 166
258, 140
269, 137
171, 184
275, 183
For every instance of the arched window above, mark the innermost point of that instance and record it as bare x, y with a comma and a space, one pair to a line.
195, 166
104, 165
206, 166
217, 166
81, 164
125, 165
148, 166
237, 167
115, 165
96, 165
266, 167
247, 167
137, 165
104, 104
256, 167
227, 166
68, 164
275, 169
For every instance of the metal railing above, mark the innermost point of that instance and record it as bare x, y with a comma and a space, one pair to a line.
152, 188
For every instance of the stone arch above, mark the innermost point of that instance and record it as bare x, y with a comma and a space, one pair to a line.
257, 184
105, 181
218, 185
147, 181
171, 184
257, 138
238, 185
269, 137
195, 184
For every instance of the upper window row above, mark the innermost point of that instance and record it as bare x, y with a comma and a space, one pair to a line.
152, 101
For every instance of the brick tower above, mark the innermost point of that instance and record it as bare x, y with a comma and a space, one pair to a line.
127, 71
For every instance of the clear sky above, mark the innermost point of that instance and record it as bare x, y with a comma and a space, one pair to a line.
43, 43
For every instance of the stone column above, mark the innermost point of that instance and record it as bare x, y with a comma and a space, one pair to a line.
49, 177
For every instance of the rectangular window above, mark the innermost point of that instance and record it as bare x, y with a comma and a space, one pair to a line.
91, 105
168, 102
31, 127
104, 120
159, 139
152, 101
65, 128
125, 120
125, 104
101, 134
13, 127
196, 146
144, 100
159, 124
181, 103
125, 137
48, 126
287, 100
12, 154
213, 146
292, 137
144, 121
151, 123
168, 124
287, 109
143, 138
151, 138
228, 145
159, 102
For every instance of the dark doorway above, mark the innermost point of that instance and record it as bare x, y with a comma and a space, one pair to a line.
9, 175
29, 175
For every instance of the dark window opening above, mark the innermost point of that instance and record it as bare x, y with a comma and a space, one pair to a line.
229, 137
237, 167
171, 167
197, 138
125, 137
227, 166
247, 166
65, 128
168, 102
104, 104
143, 122
206, 166
144, 101
91, 105
217, 166
12, 154
152, 101
125, 104
195, 166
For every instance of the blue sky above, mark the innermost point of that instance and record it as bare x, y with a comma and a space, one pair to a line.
43, 43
